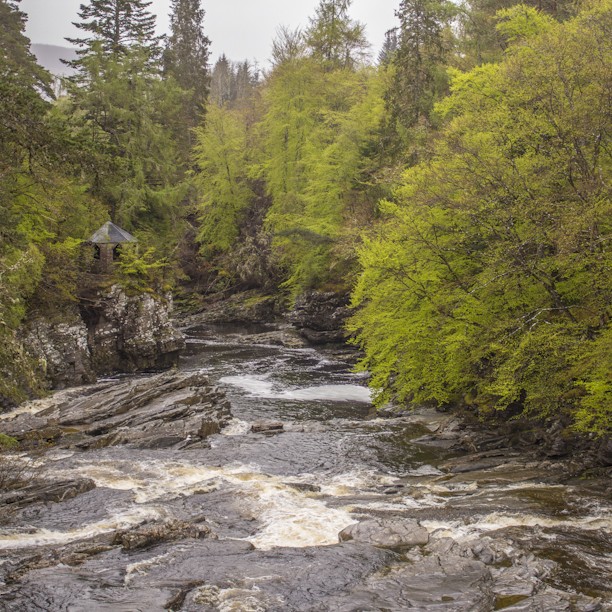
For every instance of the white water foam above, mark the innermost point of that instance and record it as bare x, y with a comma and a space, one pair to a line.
290, 517
236, 427
44, 537
261, 386
500, 520
141, 567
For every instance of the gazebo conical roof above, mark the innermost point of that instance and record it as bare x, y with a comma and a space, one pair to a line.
110, 233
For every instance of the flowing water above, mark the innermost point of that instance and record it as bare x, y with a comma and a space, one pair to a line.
276, 502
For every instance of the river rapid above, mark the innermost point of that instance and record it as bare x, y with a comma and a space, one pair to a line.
267, 504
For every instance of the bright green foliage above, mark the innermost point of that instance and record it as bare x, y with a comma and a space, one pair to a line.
142, 272
221, 155
333, 38
318, 126
490, 282
481, 42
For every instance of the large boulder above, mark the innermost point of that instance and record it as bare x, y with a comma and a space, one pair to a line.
396, 534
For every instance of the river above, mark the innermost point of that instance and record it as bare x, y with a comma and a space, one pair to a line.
512, 534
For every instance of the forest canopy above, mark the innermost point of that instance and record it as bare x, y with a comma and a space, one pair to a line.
457, 186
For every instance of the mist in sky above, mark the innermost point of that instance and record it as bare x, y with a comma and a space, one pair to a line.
242, 29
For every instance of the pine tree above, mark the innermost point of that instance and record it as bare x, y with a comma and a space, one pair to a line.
186, 55
221, 81
115, 26
419, 59
390, 45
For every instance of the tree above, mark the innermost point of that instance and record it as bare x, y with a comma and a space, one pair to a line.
186, 56
318, 129
489, 284
481, 42
287, 45
334, 38
389, 48
221, 81
43, 213
221, 155
127, 117
419, 60
232, 83
115, 27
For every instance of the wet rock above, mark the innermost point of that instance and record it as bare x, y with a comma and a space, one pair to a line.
170, 409
515, 582
150, 535
320, 316
304, 486
44, 491
245, 307
282, 337
436, 583
267, 427
396, 534
112, 332
604, 453
548, 599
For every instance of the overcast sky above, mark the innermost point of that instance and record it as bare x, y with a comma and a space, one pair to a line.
242, 29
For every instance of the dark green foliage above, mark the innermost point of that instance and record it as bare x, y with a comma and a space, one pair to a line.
186, 59
42, 212
423, 47
115, 27
127, 117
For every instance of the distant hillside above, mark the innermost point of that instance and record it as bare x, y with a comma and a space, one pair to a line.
50, 56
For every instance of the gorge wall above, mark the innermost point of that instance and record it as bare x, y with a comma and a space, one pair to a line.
107, 333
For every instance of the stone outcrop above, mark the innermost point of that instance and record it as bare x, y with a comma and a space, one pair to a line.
112, 332
173, 409
38, 490
167, 531
320, 316
247, 307
61, 349
131, 333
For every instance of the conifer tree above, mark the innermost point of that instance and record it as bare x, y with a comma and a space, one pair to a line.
419, 59
115, 26
221, 81
186, 55
390, 45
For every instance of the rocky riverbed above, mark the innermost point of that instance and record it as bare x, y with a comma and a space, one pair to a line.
257, 477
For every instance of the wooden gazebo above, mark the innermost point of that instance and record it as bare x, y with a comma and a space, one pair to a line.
107, 241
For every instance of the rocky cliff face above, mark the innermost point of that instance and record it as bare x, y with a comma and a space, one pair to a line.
61, 349
131, 333
113, 332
